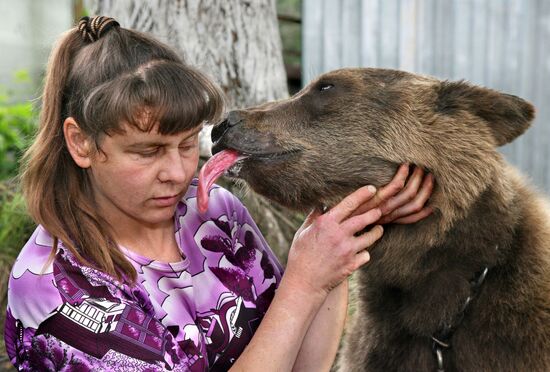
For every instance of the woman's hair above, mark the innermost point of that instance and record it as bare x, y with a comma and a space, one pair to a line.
103, 75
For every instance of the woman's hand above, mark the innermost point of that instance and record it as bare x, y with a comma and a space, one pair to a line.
403, 201
327, 249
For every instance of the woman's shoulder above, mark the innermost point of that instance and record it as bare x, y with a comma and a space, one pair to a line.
37, 248
32, 292
42, 280
33, 257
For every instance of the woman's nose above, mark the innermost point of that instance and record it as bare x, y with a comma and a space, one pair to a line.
173, 167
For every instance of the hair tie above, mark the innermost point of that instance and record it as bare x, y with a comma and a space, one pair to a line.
93, 28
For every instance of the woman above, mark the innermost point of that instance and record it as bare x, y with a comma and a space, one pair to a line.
123, 272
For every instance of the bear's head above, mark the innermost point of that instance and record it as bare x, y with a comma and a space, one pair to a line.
353, 127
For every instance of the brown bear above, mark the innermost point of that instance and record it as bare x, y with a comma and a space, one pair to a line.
466, 289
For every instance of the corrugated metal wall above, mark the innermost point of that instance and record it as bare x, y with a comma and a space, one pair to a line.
501, 44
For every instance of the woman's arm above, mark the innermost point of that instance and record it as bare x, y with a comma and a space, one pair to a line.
322, 339
280, 336
325, 251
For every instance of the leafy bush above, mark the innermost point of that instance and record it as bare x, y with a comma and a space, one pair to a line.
15, 225
17, 126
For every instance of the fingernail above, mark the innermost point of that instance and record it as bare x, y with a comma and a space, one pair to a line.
371, 188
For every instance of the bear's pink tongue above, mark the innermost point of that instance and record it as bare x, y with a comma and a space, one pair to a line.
211, 171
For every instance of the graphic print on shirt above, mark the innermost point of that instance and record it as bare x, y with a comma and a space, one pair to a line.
93, 321
229, 324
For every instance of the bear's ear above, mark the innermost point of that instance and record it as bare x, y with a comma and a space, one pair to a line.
507, 116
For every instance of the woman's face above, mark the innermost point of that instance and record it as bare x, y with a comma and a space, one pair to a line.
140, 176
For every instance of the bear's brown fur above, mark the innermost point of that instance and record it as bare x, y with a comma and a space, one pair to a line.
353, 127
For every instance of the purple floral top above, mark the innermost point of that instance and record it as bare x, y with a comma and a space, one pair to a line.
194, 315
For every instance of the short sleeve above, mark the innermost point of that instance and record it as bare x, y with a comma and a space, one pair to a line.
30, 275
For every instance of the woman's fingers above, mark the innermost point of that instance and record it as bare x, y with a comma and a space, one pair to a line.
361, 258
386, 192
404, 209
425, 212
407, 194
357, 223
365, 240
308, 221
348, 206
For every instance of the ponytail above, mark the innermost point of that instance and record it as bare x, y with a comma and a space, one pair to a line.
56, 190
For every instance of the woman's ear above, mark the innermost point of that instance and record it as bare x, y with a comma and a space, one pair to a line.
78, 143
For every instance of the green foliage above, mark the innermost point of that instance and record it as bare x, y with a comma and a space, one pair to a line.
15, 224
17, 126
22, 76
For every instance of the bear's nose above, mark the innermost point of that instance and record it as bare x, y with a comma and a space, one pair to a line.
218, 131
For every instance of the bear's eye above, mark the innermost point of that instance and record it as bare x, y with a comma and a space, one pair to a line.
324, 87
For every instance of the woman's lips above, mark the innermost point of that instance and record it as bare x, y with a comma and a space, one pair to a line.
166, 201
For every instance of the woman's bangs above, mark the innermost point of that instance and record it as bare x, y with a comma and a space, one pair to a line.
175, 98
165, 95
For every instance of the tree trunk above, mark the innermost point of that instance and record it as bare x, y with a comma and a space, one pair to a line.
237, 43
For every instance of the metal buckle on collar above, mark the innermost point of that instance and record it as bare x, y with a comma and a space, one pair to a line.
439, 345
442, 338
439, 358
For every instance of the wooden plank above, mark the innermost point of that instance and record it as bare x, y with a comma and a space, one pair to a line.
496, 32
543, 99
370, 32
462, 30
407, 34
479, 41
332, 35
524, 145
541, 130
351, 32
442, 39
513, 49
312, 43
389, 37
425, 51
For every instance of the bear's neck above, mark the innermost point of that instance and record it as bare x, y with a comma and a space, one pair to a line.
422, 272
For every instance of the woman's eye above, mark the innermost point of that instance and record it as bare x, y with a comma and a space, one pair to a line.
184, 147
326, 87
148, 154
